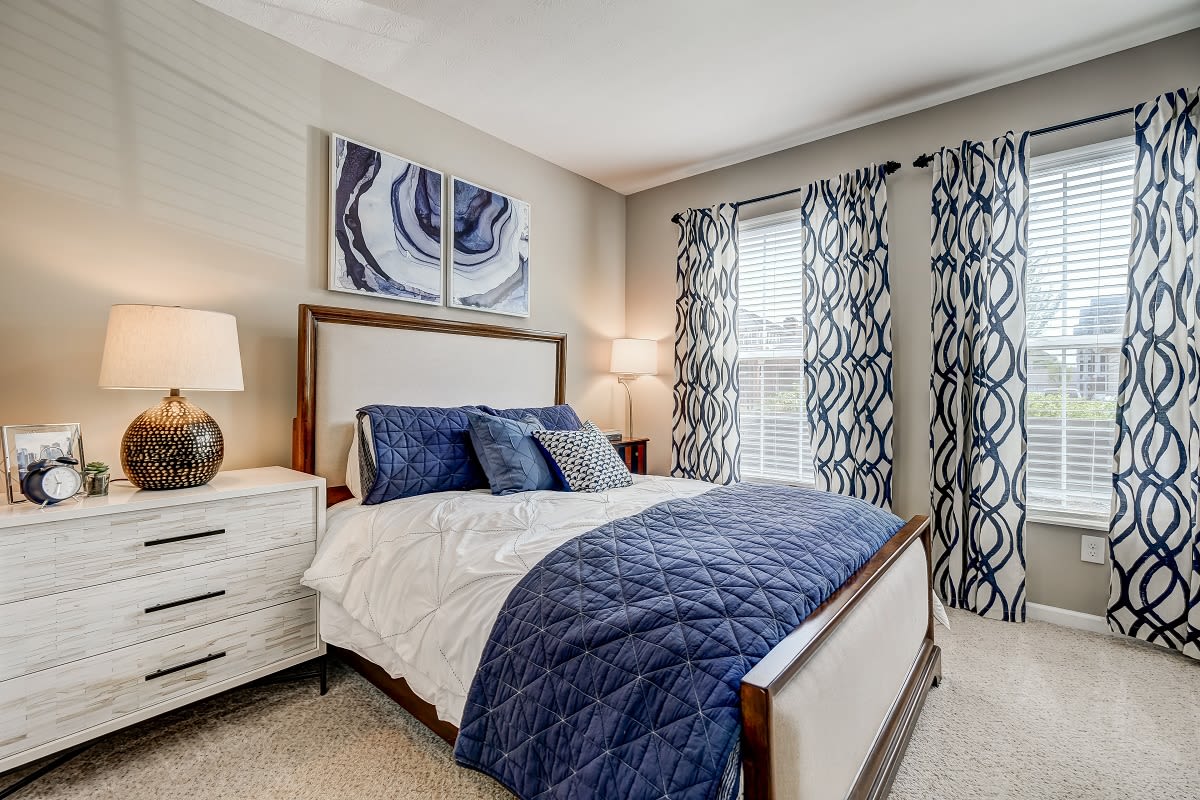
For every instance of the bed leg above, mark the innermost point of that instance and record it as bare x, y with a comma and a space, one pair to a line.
937, 667
323, 673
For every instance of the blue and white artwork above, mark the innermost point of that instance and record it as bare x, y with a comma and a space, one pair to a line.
490, 263
387, 225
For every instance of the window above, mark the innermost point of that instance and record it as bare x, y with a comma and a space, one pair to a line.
1080, 203
775, 438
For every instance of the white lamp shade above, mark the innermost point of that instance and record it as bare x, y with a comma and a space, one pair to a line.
166, 347
634, 357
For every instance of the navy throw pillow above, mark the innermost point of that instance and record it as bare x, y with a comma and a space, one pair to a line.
421, 449
511, 458
553, 418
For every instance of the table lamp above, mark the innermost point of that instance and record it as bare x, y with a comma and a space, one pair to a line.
632, 358
175, 444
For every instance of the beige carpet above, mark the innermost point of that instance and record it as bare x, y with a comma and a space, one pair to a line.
1025, 711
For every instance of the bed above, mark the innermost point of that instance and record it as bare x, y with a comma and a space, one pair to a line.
825, 713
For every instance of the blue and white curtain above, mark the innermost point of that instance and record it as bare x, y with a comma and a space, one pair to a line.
848, 334
1154, 542
705, 439
977, 388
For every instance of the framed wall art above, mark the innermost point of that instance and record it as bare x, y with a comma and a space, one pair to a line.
490, 251
386, 227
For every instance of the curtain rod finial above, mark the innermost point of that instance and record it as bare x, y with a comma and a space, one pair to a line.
891, 167
923, 160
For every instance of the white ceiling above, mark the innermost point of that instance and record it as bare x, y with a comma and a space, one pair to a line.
636, 93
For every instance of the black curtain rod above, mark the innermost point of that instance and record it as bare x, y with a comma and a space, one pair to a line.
889, 168
925, 159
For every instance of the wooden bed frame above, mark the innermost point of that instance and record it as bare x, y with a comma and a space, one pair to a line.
759, 687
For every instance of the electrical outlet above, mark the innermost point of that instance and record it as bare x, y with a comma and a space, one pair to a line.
1092, 549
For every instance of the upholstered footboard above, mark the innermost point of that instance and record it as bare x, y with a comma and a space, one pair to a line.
828, 713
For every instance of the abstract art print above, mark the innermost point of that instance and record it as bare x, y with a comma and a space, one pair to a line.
387, 224
490, 261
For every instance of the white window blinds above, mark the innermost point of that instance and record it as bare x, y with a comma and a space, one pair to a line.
775, 437
1079, 237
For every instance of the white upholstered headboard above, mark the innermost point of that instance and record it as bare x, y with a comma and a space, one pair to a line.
349, 358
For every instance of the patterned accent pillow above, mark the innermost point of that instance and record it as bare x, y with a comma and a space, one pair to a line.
585, 458
511, 459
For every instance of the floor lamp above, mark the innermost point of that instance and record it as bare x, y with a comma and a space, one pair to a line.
631, 359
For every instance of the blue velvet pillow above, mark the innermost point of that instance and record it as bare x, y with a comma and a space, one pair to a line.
419, 450
511, 458
553, 418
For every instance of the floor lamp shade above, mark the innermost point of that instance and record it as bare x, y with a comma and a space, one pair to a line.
634, 357
175, 444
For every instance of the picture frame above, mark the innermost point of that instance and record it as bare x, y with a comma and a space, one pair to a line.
489, 249
386, 224
25, 444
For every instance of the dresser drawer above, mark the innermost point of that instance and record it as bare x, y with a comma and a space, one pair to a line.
42, 558
55, 629
47, 705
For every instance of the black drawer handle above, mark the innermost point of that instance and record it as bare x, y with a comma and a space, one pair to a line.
184, 602
183, 538
198, 661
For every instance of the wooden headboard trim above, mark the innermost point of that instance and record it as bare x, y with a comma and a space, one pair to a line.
311, 317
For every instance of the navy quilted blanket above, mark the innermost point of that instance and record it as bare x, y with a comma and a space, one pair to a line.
614, 668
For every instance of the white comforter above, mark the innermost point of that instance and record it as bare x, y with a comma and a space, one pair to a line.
428, 575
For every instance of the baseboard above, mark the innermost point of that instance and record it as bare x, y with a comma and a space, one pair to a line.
1067, 618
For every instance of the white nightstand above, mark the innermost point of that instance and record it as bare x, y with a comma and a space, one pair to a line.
115, 609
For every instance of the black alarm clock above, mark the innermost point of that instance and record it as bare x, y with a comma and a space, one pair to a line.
50, 481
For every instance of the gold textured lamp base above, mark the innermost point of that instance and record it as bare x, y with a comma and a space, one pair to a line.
174, 445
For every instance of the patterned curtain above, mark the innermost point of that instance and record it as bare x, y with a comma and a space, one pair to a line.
977, 389
848, 334
705, 439
1154, 542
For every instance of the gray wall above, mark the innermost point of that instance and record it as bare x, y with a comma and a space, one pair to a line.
156, 151
1056, 575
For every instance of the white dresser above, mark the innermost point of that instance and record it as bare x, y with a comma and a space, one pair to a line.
115, 609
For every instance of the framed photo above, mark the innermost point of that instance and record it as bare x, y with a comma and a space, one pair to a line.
25, 444
489, 268
385, 235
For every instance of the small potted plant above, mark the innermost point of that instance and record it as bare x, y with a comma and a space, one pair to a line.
95, 479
